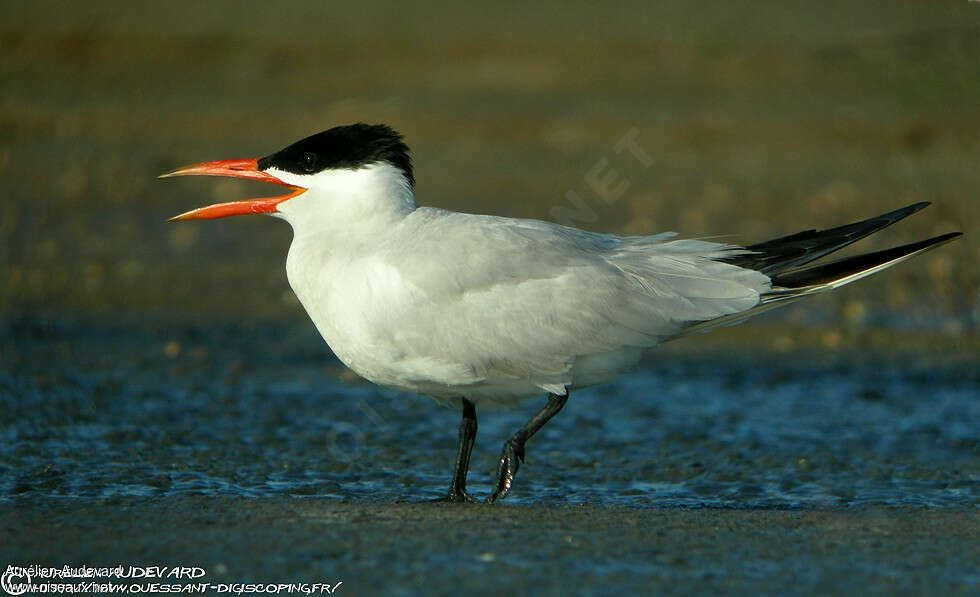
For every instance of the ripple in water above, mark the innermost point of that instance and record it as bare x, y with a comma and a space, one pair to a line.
116, 418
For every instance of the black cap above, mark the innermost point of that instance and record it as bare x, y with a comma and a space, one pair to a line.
343, 147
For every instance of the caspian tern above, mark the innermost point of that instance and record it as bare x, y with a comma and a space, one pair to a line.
472, 309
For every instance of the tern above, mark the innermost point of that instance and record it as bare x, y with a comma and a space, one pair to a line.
477, 309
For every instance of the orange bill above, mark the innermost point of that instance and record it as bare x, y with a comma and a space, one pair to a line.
246, 168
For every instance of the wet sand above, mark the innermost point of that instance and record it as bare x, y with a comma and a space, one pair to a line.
443, 549
722, 466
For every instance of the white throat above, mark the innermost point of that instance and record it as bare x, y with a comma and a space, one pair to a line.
345, 200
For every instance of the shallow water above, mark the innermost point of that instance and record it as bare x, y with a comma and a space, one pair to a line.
112, 409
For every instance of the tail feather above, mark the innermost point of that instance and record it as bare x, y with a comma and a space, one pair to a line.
787, 252
791, 282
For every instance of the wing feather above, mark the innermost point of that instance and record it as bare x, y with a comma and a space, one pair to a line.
527, 300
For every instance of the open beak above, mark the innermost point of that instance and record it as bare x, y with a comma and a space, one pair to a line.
247, 168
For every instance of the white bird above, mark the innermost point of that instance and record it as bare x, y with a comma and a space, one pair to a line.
471, 309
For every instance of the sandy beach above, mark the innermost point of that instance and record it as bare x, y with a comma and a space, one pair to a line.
438, 549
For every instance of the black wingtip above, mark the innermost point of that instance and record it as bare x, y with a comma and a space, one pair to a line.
788, 252
908, 210
836, 270
949, 236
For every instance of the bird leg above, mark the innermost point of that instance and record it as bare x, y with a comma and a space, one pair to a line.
513, 452
467, 437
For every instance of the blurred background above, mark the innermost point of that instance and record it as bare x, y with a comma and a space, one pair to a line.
142, 361
760, 119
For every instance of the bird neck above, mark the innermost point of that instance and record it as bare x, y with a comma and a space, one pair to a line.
349, 202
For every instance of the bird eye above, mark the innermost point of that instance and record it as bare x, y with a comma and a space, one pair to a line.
308, 161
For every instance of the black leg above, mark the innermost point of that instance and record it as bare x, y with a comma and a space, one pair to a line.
467, 436
513, 453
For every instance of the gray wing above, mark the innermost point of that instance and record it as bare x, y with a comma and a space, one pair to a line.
529, 299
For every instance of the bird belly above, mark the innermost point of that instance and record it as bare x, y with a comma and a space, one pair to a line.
388, 332
357, 307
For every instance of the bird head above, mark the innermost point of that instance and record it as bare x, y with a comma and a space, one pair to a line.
333, 165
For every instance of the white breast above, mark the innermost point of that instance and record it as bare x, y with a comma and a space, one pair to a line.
449, 304
363, 307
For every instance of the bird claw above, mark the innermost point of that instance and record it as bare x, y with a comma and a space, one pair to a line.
510, 461
456, 496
